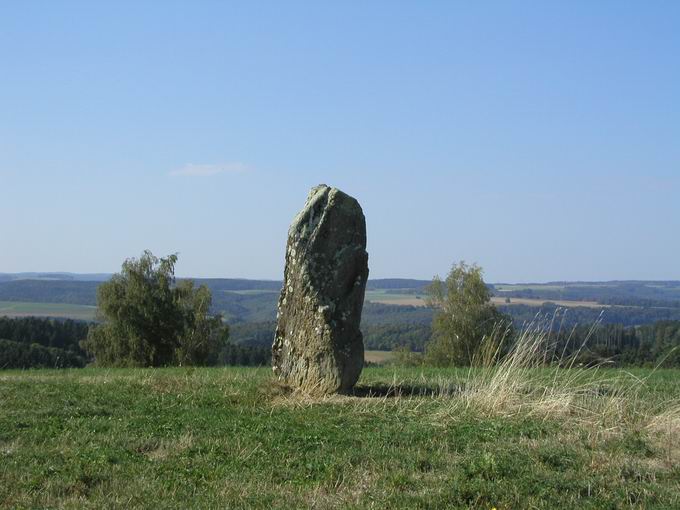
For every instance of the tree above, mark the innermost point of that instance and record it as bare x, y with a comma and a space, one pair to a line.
148, 320
204, 335
464, 317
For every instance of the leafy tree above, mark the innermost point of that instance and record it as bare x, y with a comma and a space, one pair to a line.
204, 335
464, 317
150, 321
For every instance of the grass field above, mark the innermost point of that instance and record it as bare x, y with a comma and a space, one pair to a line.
87, 313
539, 302
389, 298
400, 301
408, 438
18, 309
378, 357
510, 287
383, 297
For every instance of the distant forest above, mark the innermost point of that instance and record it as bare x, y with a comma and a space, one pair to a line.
50, 343
241, 300
612, 344
640, 328
625, 293
41, 343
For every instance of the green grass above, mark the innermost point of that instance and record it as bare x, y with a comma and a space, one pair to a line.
380, 295
20, 309
232, 438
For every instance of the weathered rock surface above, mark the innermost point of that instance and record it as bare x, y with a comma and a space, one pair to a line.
318, 346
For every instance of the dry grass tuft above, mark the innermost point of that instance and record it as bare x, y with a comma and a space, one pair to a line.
664, 429
169, 447
534, 380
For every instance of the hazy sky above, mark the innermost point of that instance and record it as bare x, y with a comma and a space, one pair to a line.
539, 139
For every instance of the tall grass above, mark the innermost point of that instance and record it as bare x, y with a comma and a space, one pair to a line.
532, 378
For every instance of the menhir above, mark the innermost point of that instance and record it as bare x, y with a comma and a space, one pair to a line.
318, 346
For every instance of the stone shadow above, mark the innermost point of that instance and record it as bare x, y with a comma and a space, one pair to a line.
378, 390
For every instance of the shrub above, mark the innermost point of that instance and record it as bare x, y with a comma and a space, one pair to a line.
464, 317
151, 321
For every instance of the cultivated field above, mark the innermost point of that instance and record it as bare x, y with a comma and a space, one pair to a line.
18, 309
378, 357
408, 438
420, 300
497, 300
87, 313
390, 298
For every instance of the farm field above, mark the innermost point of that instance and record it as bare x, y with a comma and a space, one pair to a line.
254, 301
62, 310
86, 312
539, 302
378, 357
419, 300
504, 287
407, 438
393, 298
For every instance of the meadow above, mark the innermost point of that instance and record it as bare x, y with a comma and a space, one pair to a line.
379, 357
254, 301
392, 298
56, 310
503, 437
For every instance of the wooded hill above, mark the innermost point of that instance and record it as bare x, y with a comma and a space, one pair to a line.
249, 306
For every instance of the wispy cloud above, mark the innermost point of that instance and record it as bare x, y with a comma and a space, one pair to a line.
193, 170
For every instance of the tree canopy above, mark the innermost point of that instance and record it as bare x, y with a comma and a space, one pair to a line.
150, 320
464, 316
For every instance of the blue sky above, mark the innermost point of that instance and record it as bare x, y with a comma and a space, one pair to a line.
539, 139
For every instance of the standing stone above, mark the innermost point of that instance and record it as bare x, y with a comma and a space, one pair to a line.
318, 346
